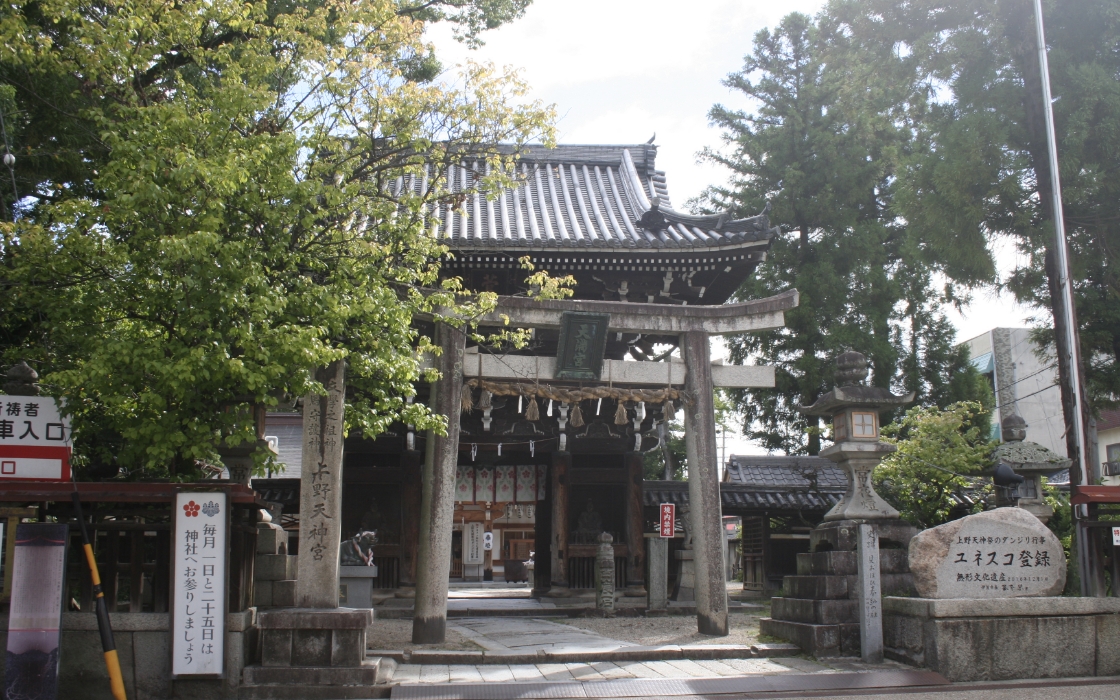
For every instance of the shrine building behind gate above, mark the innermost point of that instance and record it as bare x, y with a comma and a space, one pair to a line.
542, 478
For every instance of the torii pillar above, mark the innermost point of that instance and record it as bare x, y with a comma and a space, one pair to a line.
437, 501
705, 509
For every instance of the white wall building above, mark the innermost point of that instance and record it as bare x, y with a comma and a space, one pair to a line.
1023, 383
1108, 445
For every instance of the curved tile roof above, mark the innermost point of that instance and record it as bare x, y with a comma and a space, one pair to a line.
571, 197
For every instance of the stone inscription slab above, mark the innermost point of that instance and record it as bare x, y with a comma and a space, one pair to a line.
870, 595
1003, 553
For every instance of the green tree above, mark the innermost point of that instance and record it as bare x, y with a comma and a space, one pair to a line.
831, 125
223, 207
980, 171
940, 452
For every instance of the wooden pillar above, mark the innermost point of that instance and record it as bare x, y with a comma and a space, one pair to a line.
635, 542
705, 509
542, 543
412, 464
437, 503
561, 467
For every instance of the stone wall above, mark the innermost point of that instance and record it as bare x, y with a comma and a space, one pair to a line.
1004, 639
144, 647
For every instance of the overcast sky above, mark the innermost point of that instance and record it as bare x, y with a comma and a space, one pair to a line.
619, 71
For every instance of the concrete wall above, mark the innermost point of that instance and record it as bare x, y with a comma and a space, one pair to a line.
144, 647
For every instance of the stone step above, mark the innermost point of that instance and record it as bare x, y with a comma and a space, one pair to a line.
275, 567
818, 612
274, 594
842, 535
839, 587
816, 640
842, 563
369, 680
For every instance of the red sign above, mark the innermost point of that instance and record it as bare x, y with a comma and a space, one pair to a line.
34, 439
668, 519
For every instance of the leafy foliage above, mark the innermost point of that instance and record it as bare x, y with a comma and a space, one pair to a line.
938, 451
212, 210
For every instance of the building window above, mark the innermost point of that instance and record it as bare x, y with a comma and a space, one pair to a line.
863, 425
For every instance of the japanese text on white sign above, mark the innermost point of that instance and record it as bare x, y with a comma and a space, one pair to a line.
198, 634
34, 439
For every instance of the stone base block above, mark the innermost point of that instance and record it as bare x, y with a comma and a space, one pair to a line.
310, 638
842, 535
843, 563
1003, 639
262, 594
367, 680
275, 567
271, 539
284, 594
818, 640
817, 612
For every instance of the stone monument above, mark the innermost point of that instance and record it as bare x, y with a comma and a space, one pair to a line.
990, 605
604, 575
829, 599
317, 643
356, 570
1029, 460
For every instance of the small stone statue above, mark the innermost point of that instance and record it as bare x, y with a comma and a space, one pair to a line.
590, 522
21, 381
358, 550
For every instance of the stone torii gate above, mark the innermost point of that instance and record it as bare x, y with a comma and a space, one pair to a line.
693, 325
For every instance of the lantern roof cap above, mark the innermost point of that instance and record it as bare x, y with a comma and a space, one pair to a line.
851, 371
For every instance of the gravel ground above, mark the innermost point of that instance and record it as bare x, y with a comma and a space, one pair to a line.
672, 629
397, 635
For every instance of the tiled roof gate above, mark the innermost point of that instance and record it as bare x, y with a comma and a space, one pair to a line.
573, 197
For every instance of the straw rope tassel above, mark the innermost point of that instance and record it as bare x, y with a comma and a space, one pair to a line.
577, 416
532, 412
620, 414
466, 404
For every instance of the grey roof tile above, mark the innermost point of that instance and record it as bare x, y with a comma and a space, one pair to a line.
578, 197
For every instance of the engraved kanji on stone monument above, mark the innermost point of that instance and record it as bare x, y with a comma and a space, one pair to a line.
604, 574
320, 491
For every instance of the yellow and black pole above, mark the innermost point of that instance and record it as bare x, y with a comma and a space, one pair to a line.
112, 662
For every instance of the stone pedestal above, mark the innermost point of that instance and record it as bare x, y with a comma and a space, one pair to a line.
658, 584
820, 609
1005, 638
355, 586
314, 654
313, 637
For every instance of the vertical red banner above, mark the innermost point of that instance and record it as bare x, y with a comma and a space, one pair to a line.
668, 519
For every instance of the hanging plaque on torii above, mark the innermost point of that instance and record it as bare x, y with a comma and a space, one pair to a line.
583, 340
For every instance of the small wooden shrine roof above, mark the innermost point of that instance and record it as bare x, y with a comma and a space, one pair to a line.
576, 197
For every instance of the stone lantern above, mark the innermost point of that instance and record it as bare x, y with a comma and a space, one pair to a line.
1029, 460
854, 410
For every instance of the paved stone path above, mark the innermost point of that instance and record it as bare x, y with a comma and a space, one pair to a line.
530, 635
604, 670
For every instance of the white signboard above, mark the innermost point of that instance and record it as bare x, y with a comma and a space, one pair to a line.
472, 544
34, 439
199, 582
488, 541
1116, 536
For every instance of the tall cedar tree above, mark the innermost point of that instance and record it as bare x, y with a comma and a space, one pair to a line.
980, 170
829, 127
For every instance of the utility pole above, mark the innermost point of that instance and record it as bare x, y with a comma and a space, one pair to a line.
1070, 339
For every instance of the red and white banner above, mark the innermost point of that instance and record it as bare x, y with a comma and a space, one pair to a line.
34, 439
668, 519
